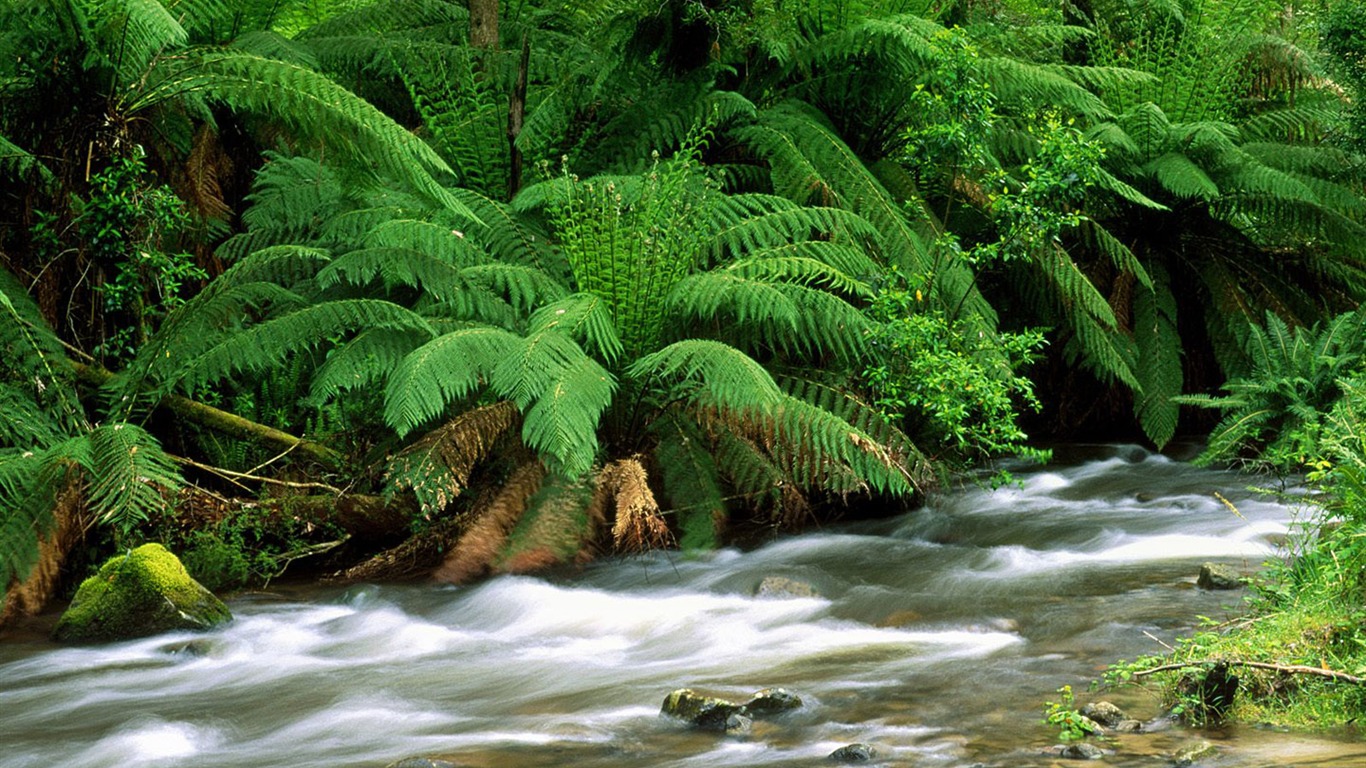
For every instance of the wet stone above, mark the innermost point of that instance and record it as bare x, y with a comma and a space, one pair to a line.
779, 586
1105, 713
1194, 753
772, 701
1129, 726
1214, 576
854, 753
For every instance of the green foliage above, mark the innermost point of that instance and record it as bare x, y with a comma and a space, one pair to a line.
1072, 725
126, 224
953, 389
1275, 415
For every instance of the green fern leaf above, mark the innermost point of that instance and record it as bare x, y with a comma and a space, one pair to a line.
1159, 359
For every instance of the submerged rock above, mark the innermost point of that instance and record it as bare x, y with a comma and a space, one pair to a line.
1129, 726
423, 762
1082, 751
145, 592
1193, 753
1105, 713
1215, 576
854, 753
779, 586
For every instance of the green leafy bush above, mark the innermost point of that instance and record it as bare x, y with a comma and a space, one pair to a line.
951, 386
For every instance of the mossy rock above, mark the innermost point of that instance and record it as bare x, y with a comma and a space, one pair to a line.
145, 592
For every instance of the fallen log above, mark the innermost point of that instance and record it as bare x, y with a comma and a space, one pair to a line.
223, 421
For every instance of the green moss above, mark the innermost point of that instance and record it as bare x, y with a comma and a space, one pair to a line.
145, 592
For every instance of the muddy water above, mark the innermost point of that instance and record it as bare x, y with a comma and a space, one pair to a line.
935, 636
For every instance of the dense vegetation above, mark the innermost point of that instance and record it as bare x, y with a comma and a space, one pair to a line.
502, 286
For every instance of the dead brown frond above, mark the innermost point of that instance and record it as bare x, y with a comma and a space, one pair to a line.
555, 531
206, 164
794, 510
437, 467
639, 526
481, 545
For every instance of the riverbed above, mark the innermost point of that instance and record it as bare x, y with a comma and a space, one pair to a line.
935, 636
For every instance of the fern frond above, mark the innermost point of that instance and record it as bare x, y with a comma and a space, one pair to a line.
561, 392
309, 104
371, 357
723, 374
132, 32
587, 319
1182, 177
133, 479
268, 344
443, 370
1158, 343
523, 287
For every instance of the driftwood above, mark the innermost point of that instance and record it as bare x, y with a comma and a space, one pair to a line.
1292, 669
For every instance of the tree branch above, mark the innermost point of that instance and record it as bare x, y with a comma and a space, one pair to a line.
1294, 669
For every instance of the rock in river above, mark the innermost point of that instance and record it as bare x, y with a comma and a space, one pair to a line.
1216, 576
854, 753
145, 592
1105, 713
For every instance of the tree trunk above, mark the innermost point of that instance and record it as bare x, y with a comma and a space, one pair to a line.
70, 522
516, 113
484, 24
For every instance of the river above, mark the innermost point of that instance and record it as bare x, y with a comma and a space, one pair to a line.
936, 636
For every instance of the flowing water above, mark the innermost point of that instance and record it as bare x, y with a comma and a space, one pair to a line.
935, 636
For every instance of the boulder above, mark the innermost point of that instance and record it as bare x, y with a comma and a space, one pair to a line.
1129, 726
779, 586
1105, 713
854, 753
145, 592
1216, 576
772, 701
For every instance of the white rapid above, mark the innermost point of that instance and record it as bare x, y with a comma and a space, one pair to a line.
935, 636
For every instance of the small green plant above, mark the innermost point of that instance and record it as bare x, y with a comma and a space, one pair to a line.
1072, 725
